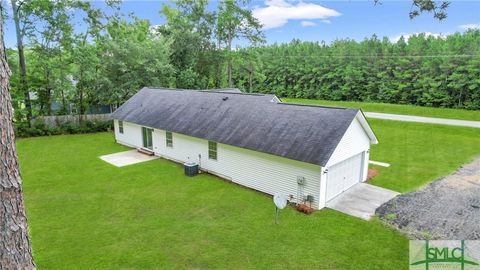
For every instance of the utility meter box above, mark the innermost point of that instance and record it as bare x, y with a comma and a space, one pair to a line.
300, 180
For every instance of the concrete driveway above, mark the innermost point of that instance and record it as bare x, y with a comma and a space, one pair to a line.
421, 119
361, 200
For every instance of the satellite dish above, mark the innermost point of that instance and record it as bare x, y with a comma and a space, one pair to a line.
280, 200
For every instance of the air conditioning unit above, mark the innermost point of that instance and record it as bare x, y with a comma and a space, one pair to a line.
190, 168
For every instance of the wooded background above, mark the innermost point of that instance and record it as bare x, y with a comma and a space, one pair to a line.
426, 71
60, 69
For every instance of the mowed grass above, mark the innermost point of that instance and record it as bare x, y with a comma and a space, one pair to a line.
395, 108
420, 153
86, 214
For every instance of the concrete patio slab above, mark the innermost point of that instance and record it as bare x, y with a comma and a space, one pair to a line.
127, 158
361, 200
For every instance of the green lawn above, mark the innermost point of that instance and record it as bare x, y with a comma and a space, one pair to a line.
420, 153
86, 214
395, 109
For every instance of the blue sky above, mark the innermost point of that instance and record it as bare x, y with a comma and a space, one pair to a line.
327, 20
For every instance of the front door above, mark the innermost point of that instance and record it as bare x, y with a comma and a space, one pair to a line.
147, 138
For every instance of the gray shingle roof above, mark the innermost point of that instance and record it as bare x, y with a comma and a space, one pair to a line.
252, 121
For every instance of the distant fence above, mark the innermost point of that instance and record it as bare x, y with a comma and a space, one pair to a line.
59, 120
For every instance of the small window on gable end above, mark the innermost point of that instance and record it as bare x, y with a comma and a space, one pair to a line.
120, 126
169, 139
212, 150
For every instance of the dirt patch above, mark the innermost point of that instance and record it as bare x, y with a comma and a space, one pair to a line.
372, 172
448, 208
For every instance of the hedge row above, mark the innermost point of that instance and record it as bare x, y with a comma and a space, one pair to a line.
41, 129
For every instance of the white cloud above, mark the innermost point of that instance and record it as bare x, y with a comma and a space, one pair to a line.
470, 26
278, 3
408, 36
307, 23
277, 13
327, 21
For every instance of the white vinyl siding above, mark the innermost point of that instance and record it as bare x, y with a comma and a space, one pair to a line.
269, 173
354, 141
256, 170
131, 136
264, 172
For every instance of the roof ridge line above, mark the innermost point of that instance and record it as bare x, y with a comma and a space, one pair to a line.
316, 106
228, 93
164, 88
210, 91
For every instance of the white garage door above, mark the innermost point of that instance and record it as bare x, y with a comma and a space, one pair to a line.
344, 175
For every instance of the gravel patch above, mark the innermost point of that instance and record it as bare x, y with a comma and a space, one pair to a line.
448, 208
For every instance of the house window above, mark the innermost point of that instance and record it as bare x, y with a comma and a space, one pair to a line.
212, 150
169, 138
120, 127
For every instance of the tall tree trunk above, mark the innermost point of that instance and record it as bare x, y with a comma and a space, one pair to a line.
21, 59
15, 250
62, 91
250, 78
229, 65
48, 92
229, 71
81, 109
64, 102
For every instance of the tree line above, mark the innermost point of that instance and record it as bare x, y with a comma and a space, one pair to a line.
59, 68
423, 70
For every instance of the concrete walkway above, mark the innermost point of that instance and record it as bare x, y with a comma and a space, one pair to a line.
361, 200
126, 158
421, 119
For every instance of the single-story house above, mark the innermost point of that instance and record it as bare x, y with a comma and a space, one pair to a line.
309, 153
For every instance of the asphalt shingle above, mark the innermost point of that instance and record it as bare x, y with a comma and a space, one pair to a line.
257, 122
